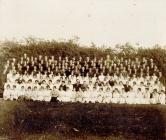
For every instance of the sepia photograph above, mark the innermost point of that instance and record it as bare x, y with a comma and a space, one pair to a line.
82, 70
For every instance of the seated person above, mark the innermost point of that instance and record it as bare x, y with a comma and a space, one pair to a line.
21, 91
127, 87
84, 86
63, 86
79, 95
100, 95
162, 97
47, 94
154, 97
93, 96
115, 96
107, 95
146, 96
7, 92
77, 85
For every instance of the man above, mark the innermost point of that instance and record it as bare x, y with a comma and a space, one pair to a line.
84, 86
10, 76
127, 87
77, 85
63, 86
112, 82
25, 57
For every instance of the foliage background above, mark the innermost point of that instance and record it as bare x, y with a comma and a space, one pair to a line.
34, 47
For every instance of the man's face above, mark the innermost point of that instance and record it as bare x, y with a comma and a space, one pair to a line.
63, 83
8, 87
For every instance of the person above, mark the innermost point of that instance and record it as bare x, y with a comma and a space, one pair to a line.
146, 96
63, 86
107, 95
115, 96
28, 92
34, 95
131, 97
139, 96
47, 94
154, 97
162, 97
84, 86
21, 91
77, 85
93, 95
79, 95
123, 96
86, 95
127, 87
100, 95
101, 77
7, 92
13, 94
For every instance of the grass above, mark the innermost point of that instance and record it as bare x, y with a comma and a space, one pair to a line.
40, 120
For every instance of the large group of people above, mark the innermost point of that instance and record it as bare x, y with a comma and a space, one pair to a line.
103, 80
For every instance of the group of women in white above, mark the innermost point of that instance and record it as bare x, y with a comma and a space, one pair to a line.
104, 80
102, 89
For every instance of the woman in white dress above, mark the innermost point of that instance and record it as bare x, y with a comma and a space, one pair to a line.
7, 92
162, 97
100, 95
115, 96
107, 95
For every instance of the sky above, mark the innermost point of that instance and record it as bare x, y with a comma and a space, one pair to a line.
103, 22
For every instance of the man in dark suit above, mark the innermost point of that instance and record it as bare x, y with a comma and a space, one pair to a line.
77, 86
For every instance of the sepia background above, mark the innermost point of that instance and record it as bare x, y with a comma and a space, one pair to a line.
107, 22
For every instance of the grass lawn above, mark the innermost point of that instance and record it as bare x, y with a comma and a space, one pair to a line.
76, 121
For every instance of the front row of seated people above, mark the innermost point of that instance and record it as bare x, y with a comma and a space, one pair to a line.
129, 91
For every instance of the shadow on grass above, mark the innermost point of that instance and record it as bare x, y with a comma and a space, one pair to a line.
79, 120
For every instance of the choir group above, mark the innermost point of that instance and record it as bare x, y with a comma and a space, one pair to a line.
103, 80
